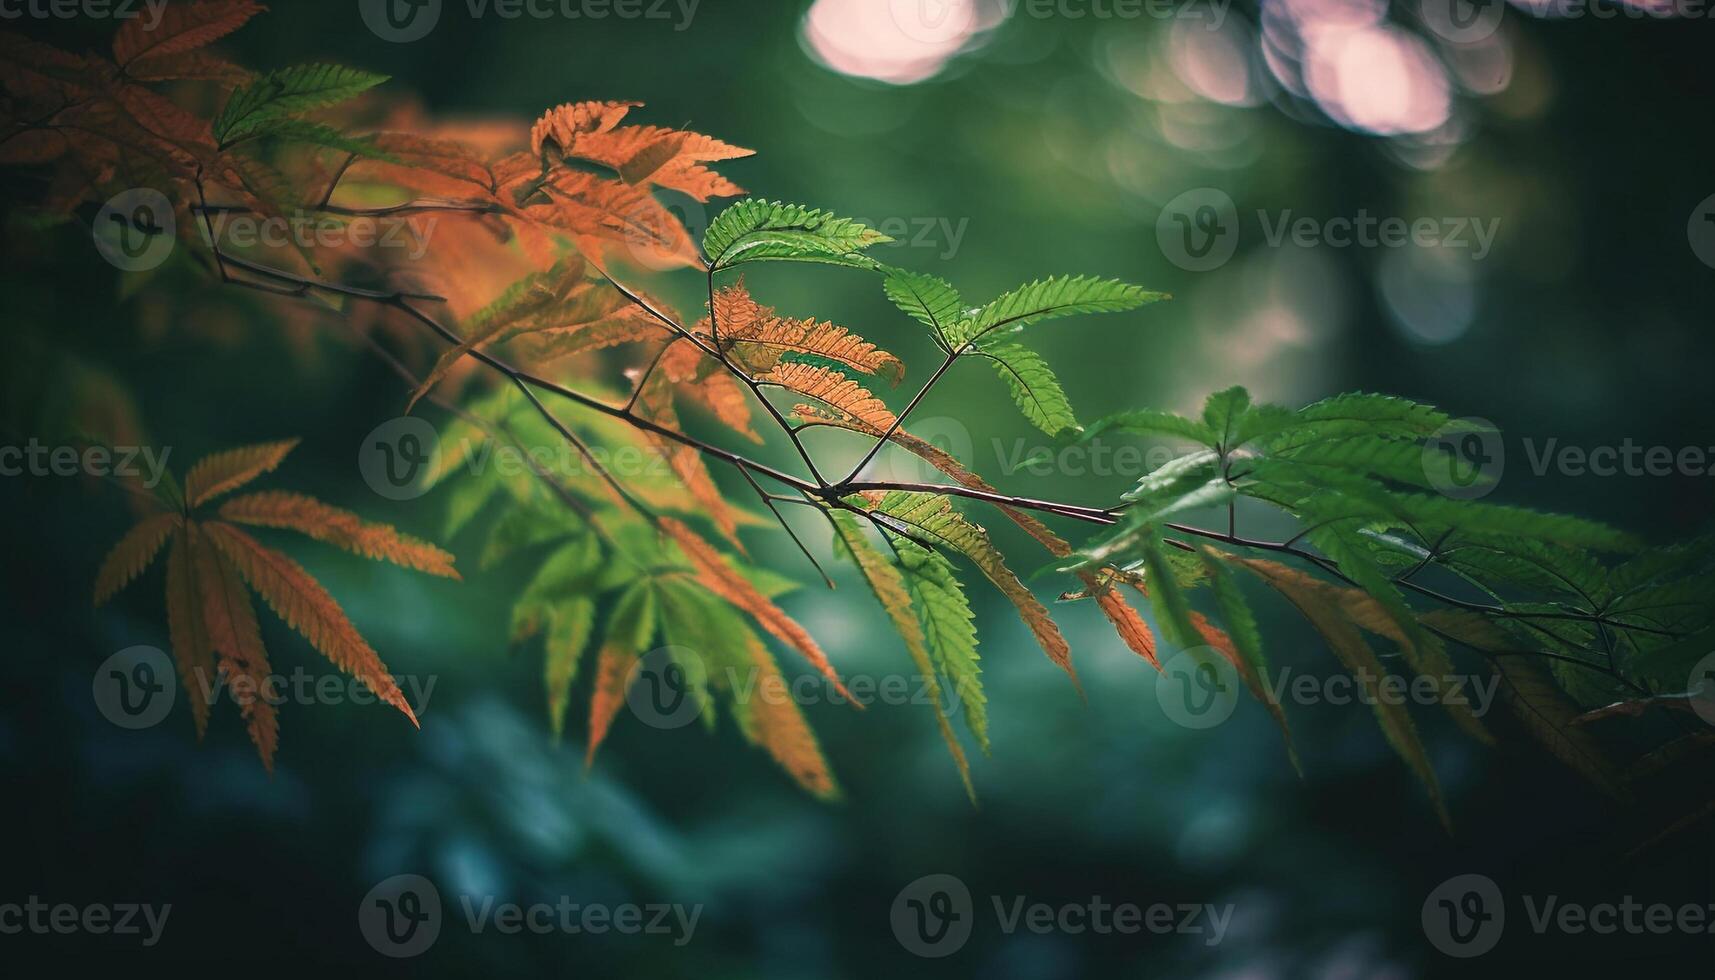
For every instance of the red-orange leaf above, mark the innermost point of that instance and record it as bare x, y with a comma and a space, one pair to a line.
182, 26
193, 654
1129, 624
834, 390
133, 554
307, 515
562, 125
306, 607
779, 726
224, 472
630, 628
237, 643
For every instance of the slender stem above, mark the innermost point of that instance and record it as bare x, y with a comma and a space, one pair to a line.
820, 491
899, 420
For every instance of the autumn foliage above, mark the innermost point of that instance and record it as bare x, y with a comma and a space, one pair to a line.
521, 328
212, 561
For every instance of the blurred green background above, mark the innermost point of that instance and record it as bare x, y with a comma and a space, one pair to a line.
1045, 145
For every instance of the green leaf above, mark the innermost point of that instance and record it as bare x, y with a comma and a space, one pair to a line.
1222, 412
931, 517
1472, 515
1663, 564
1172, 609
1260, 422
519, 529
467, 499
259, 107
1049, 299
1359, 414
1150, 422
891, 590
569, 625
1242, 628
1494, 561
317, 134
1175, 478
566, 574
930, 301
1035, 388
755, 230
1334, 493
706, 639
950, 626
1409, 463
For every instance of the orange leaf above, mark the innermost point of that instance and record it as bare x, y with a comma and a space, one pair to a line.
630, 628
563, 124
700, 378
781, 729
182, 26
133, 554
224, 472
446, 158
759, 339
188, 66
192, 651
687, 463
306, 607
664, 157
237, 642
1129, 624
834, 390
296, 512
